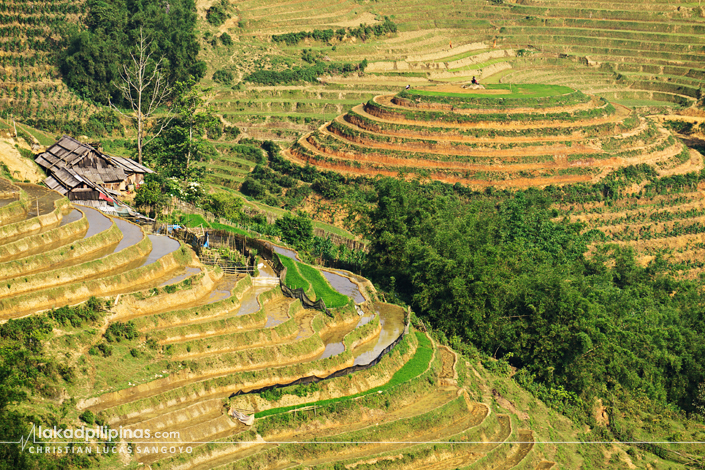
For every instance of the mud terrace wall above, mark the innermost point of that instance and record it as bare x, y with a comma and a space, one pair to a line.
91, 269
201, 285
75, 251
341, 385
29, 226
184, 316
44, 241
78, 292
16, 210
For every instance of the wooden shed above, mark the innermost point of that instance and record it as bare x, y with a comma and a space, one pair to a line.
84, 173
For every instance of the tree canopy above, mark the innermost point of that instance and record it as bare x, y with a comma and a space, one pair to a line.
499, 273
91, 64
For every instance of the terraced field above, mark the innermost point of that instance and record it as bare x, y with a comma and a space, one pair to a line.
502, 136
659, 219
31, 89
199, 347
643, 53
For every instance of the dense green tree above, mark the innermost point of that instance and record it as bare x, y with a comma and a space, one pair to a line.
183, 144
296, 230
91, 64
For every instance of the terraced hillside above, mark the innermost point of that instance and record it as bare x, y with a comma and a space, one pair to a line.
174, 346
661, 219
502, 136
645, 52
31, 88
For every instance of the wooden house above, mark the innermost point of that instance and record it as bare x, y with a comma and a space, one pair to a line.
85, 173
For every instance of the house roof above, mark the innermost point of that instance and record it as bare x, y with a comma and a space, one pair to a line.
67, 179
85, 160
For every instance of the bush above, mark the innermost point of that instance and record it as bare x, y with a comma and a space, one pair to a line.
303, 74
296, 230
223, 76
150, 194
232, 132
252, 187
681, 127
224, 204
101, 349
226, 39
87, 417
118, 331
273, 394
88, 312
216, 15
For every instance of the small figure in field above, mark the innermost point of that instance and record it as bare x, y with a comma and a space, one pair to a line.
474, 81
451, 44
408, 86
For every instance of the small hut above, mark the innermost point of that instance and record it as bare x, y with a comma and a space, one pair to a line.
85, 173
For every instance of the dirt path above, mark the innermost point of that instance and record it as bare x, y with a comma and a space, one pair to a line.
20, 167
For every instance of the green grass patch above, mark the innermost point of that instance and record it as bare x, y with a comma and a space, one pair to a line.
228, 228
41, 137
293, 279
193, 220
305, 276
196, 220
415, 367
323, 290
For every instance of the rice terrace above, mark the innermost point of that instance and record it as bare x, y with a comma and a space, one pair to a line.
359, 234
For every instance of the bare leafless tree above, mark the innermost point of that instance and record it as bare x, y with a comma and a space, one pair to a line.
145, 87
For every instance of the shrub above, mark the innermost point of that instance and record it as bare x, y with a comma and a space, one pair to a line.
87, 417
118, 331
226, 39
216, 15
273, 394
102, 349
296, 230
232, 132
224, 204
223, 76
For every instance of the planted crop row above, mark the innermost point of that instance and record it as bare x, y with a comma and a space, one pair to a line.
642, 217
375, 109
596, 130
328, 144
618, 143
650, 232
442, 174
356, 134
498, 101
